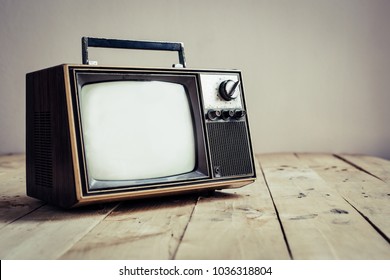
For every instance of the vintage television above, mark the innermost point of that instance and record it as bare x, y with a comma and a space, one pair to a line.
99, 134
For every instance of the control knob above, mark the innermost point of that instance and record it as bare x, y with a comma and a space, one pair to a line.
213, 114
226, 114
228, 89
238, 114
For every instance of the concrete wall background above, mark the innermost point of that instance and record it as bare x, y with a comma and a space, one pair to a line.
316, 73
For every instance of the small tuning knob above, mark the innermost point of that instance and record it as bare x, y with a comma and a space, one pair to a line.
228, 89
227, 114
213, 114
238, 114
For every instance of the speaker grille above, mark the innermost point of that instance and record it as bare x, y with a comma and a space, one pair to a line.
229, 146
43, 155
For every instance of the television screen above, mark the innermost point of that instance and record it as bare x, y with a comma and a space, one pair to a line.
135, 130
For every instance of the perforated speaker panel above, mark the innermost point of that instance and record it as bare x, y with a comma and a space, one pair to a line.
43, 155
230, 150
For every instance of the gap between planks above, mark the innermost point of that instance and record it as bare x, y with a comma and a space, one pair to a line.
232, 224
367, 193
235, 224
33, 230
147, 229
318, 222
378, 167
48, 232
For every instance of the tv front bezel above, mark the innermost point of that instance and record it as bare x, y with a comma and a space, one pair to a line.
83, 76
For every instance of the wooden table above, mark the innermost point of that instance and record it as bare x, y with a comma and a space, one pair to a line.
302, 206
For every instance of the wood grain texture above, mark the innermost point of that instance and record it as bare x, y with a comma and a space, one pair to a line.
327, 207
150, 229
48, 232
235, 224
376, 166
318, 222
49, 165
13, 201
368, 194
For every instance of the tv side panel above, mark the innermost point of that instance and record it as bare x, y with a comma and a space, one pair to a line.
49, 165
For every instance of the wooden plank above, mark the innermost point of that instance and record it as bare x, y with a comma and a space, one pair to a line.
13, 200
235, 224
318, 222
376, 166
48, 232
149, 229
368, 194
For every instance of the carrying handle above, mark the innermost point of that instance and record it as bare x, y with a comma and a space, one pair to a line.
130, 44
